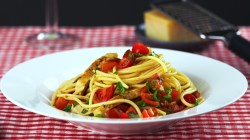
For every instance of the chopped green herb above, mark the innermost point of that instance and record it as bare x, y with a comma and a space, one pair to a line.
96, 69
100, 116
84, 111
168, 90
168, 96
196, 102
168, 112
116, 72
74, 104
154, 54
148, 85
120, 87
141, 103
67, 108
132, 115
87, 100
155, 96
138, 55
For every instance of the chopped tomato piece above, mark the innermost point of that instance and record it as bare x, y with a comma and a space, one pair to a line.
145, 113
155, 82
126, 54
124, 116
71, 102
127, 60
140, 48
104, 94
175, 95
147, 97
123, 107
113, 113
152, 112
190, 98
117, 113
131, 110
61, 103
107, 66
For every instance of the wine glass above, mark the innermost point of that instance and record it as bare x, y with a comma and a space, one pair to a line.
51, 38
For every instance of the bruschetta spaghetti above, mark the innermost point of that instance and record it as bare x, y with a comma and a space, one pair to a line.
139, 85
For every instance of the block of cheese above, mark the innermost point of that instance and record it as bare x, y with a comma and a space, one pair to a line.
160, 27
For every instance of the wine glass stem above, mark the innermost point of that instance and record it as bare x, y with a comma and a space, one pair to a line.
51, 16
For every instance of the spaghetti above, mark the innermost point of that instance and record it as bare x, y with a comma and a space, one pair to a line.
139, 85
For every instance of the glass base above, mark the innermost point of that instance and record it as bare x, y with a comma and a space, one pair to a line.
52, 40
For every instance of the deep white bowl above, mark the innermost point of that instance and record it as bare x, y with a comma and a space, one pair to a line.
31, 84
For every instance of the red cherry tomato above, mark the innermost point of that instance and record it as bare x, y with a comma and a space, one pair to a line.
127, 60
140, 48
104, 94
107, 66
197, 94
190, 98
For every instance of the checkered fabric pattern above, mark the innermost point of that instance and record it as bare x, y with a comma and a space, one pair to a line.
231, 122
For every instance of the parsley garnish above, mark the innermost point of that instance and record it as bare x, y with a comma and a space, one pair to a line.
116, 72
138, 54
67, 108
74, 104
141, 103
155, 96
154, 54
168, 96
120, 87
87, 100
132, 115
100, 116
96, 70
196, 102
84, 111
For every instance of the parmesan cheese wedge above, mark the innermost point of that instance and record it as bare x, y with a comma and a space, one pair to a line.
161, 27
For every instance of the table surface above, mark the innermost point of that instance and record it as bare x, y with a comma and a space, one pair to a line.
231, 122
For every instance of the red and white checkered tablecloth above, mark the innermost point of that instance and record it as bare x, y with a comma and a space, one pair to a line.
231, 122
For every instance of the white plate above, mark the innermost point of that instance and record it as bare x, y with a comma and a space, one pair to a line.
31, 84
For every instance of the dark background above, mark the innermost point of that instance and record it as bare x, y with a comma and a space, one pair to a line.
107, 12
